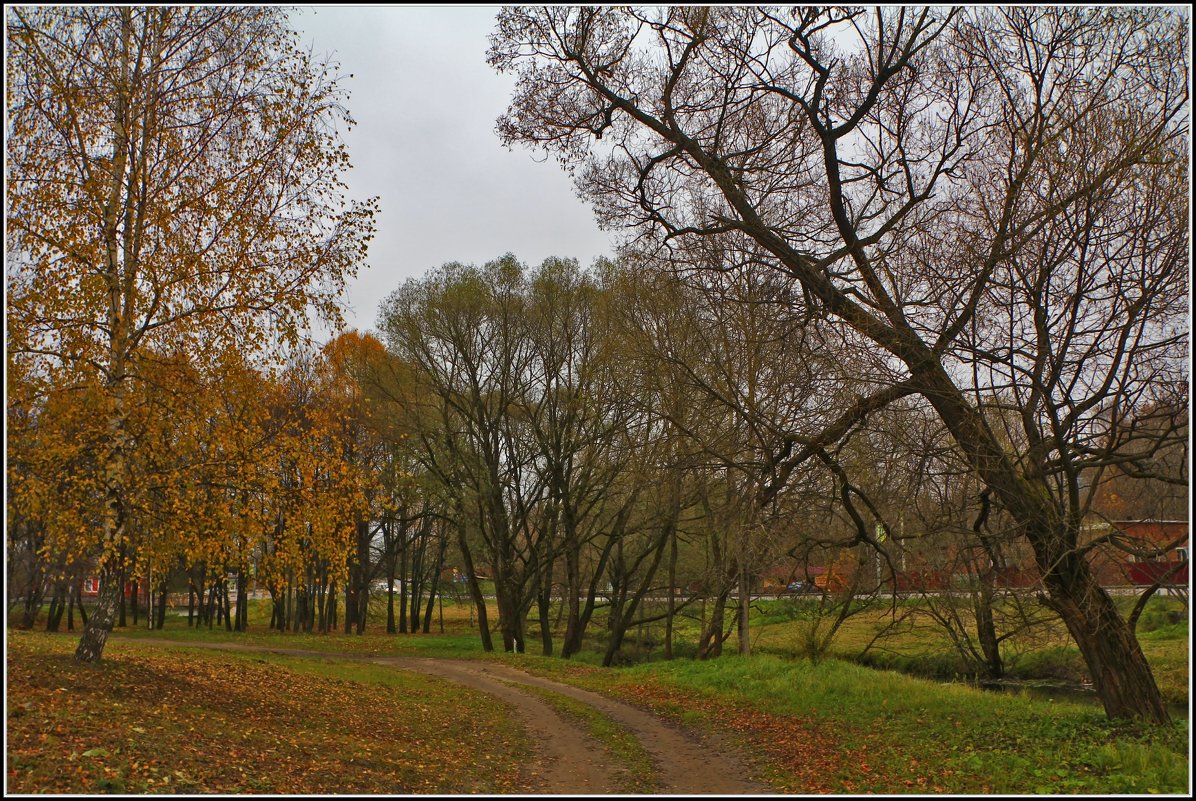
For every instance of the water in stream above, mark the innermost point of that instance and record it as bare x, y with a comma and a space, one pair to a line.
1062, 691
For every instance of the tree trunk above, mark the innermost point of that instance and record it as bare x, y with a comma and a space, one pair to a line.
390, 602
672, 607
310, 600
745, 608
54, 615
509, 620
418, 572
405, 586
329, 608
1120, 674
430, 606
544, 600
627, 598
191, 602
710, 645
95, 633
197, 588
389, 554
350, 598
363, 574
275, 611
333, 612
475, 591
161, 623
213, 607
79, 599
573, 627
99, 626
986, 629
435, 590
242, 601
33, 605
121, 620
580, 620
322, 600
298, 620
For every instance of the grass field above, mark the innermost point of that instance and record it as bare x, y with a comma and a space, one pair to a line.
1045, 654
175, 721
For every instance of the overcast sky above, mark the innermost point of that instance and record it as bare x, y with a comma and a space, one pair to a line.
425, 103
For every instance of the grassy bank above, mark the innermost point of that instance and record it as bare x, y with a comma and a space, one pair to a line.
1044, 654
175, 720
835, 727
828, 727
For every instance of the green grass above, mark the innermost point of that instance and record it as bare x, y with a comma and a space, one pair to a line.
829, 727
910, 734
461, 640
371, 643
777, 628
1045, 653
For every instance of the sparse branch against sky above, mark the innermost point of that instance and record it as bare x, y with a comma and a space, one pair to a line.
425, 103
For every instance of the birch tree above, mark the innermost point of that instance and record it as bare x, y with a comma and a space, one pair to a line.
173, 183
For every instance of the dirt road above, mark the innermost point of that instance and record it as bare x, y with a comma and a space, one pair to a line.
568, 760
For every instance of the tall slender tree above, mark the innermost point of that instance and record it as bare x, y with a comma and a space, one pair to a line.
173, 182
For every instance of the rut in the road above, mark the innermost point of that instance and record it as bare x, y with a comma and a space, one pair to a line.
570, 761
684, 765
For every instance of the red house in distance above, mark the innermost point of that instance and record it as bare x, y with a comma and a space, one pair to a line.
1170, 537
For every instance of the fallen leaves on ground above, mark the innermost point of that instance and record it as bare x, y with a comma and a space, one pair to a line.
812, 757
149, 720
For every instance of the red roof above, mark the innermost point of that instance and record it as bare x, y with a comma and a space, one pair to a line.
1158, 532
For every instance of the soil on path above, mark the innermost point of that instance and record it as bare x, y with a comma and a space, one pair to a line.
568, 760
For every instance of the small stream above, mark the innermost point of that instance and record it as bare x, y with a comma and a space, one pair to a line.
1059, 691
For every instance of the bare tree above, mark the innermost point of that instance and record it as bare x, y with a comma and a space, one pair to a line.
578, 418
463, 331
996, 198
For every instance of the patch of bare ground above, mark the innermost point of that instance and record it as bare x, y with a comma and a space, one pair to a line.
569, 760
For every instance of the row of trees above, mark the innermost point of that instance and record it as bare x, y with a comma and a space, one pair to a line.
996, 201
591, 440
880, 264
553, 412
233, 474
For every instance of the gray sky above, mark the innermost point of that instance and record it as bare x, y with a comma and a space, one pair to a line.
425, 103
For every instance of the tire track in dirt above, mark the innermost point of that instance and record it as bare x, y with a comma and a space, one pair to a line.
684, 763
568, 761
